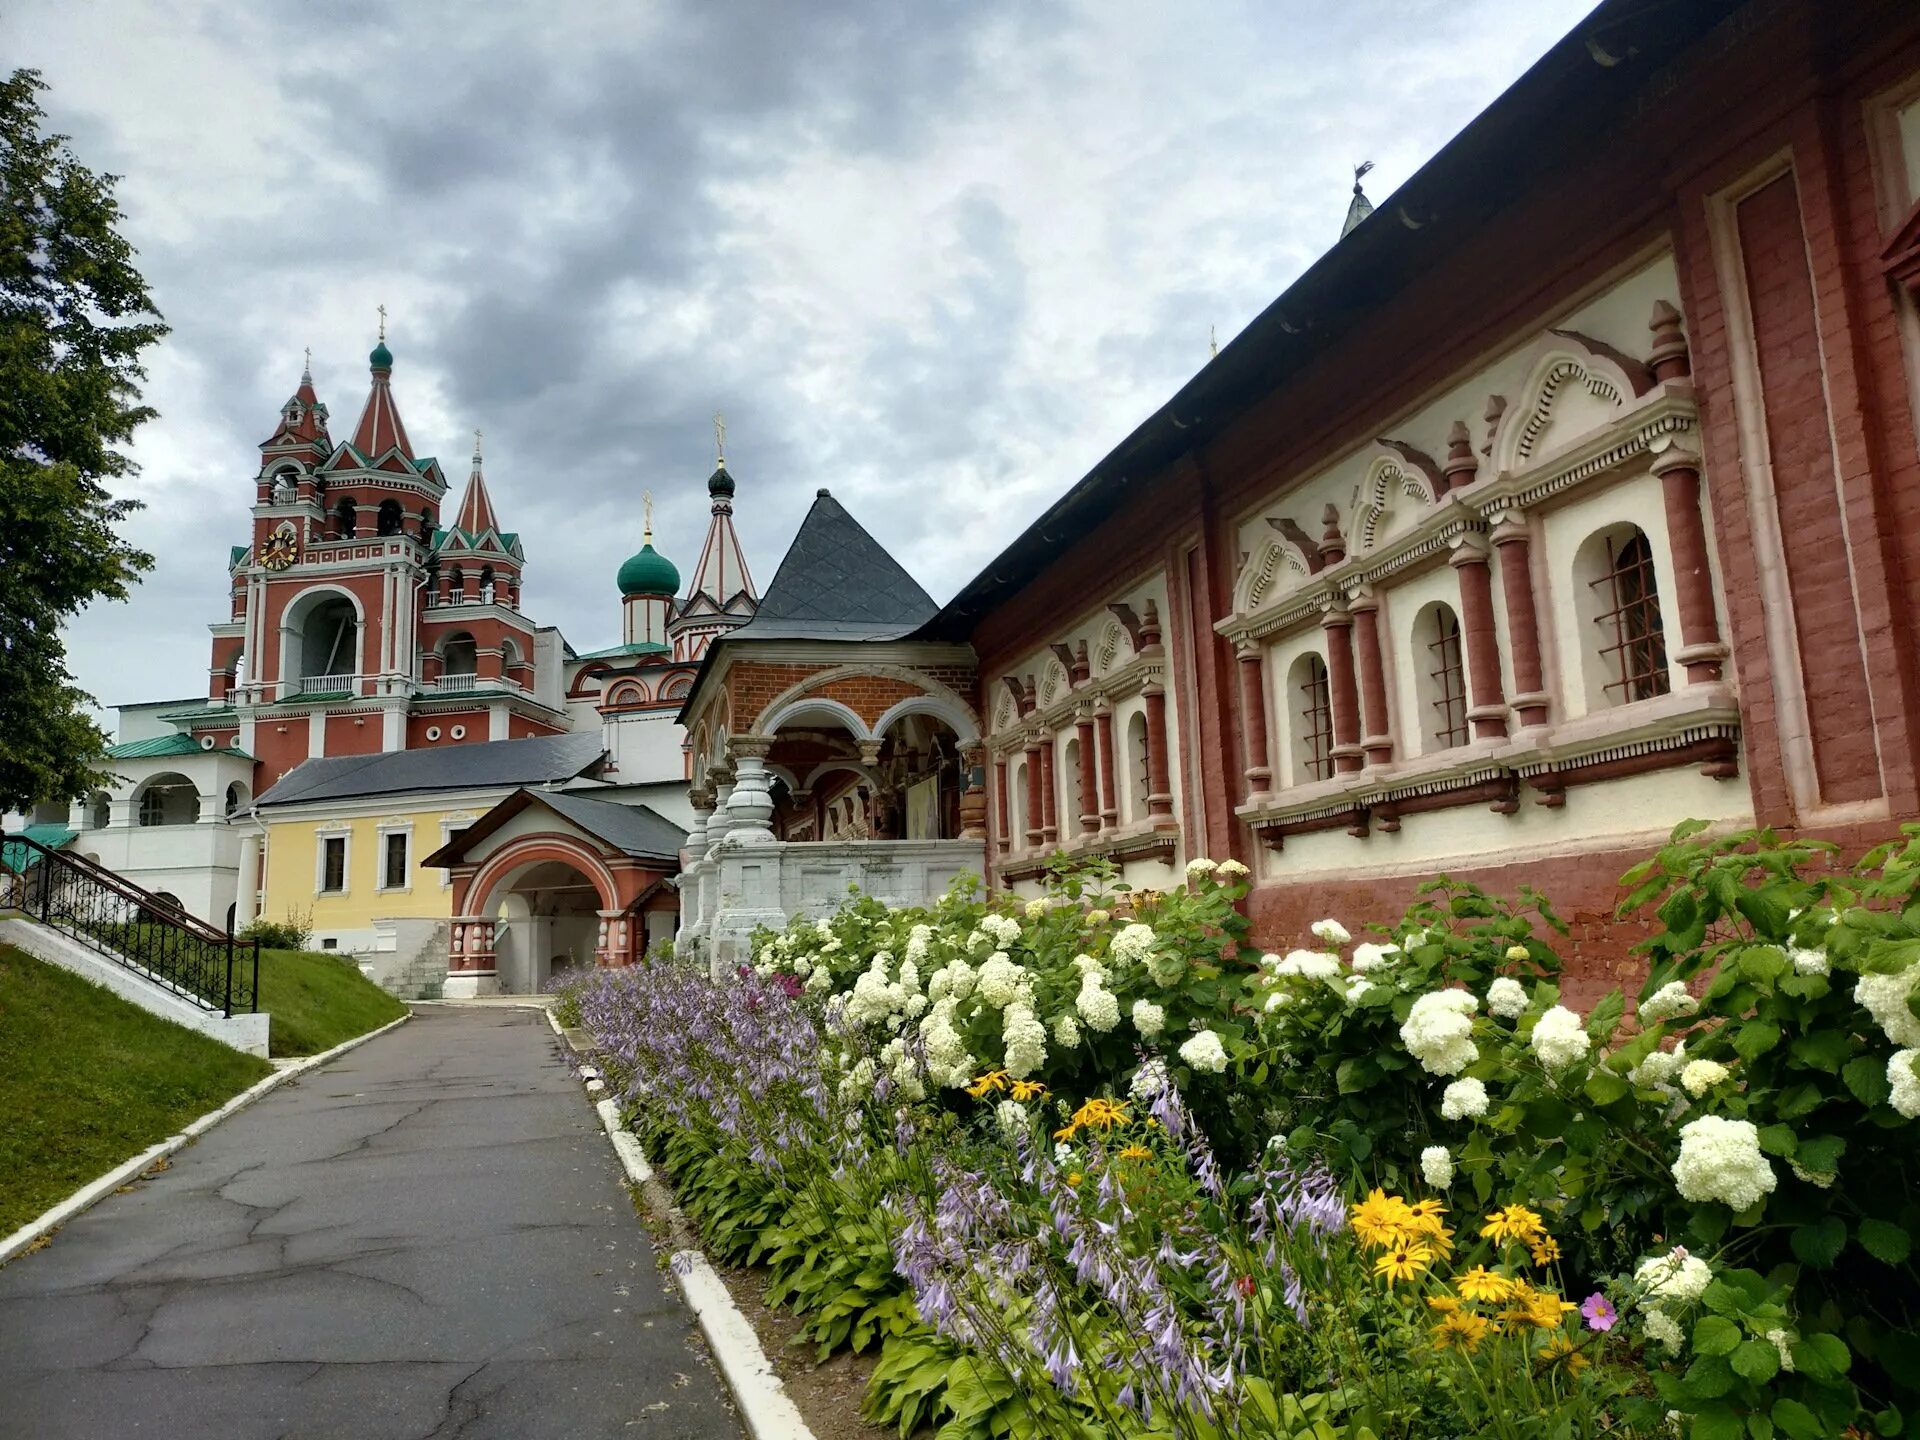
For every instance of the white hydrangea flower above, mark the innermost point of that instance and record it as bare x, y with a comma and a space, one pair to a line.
1669, 1002
1309, 965
1507, 998
1277, 998
1516, 952
1558, 1038
1205, 1052
1066, 1032
1699, 1076
1902, 1076
1464, 1100
823, 929
1232, 869
1436, 1166
1000, 980
1368, 955
1200, 865
1331, 932
1438, 1031
1663, 1328
917, 941
1086, 965
1782, 1340
1025, 1039
1148, 1018
948, 1061
822, 978
1720, 1160
1132, 943
1098, 1006
1885, 997
1010, 1116
1003, 928
1809, 962
1148, 1081
1658, 1068
1677, 1277
1357, 986
1036, 908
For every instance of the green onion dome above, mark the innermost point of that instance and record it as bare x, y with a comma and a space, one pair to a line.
649, 573
381, 358
720, 482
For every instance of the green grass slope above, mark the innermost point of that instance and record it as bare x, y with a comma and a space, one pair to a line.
88, 1080
317, 1001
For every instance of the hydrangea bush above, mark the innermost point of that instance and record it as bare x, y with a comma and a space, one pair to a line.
1093, 1142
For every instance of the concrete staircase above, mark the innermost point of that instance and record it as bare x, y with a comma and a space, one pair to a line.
409, 959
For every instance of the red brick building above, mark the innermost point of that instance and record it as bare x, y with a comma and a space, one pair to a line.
1571, 494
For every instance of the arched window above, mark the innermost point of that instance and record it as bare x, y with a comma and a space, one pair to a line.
677, 689
391, 518
456, 584
459, 656
329, 642
286, 481
99, 811
168, 799
486, 584
1626, 648
1312, 710
1017, 805
1137, 784
346, 518
509, 654
1067, 787
426, 525
239, 797
1440, 678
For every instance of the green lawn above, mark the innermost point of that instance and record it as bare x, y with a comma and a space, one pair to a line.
317, 1001
88, 1080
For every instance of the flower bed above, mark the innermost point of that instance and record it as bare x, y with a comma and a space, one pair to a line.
1087, 1166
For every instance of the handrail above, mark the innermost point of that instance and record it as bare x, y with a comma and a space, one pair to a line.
141, 930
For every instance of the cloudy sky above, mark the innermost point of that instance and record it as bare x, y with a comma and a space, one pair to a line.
939, 256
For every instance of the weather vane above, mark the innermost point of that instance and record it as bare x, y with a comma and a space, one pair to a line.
383, 320
720, 437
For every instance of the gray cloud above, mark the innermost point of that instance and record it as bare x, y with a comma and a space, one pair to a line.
939, 257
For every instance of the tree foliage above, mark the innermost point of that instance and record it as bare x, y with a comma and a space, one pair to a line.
75, 316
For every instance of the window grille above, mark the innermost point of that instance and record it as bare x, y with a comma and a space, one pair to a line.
1635, 652
1448, 677
1316, 721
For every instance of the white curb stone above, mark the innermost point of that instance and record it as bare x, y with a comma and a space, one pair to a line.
91, 1193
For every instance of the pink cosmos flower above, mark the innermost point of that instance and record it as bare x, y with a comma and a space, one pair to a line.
1599, 1312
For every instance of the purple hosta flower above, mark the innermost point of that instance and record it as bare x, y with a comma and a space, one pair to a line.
1599, 1312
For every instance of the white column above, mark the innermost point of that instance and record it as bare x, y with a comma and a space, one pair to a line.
316, 734
750, 806
247, 902
393, 728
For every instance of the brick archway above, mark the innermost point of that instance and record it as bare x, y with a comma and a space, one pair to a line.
478, 893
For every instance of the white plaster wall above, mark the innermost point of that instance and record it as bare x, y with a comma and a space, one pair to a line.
1406, 655
646, 748
143, 722
1639, 810
1282, 702
1617, 316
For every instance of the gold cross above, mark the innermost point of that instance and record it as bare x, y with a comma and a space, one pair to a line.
383, 320
720, 436
646, 499
308, 366
476, 444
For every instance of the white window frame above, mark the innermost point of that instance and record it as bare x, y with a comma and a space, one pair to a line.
344, 834
389, 828
459, 820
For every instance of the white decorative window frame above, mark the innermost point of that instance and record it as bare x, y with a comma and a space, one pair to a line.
385, 829
332, 830
459, 820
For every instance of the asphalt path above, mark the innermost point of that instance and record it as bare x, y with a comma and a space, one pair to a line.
428, 1237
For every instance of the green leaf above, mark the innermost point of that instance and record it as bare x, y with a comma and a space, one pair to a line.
1821, 1153
1886, 1242
1866, 1077
1798, 1421
1714, 1336
1715, 1422
1820, 1243
1767, 909
1821, 1357
1708, 1378
1759, 1426
1603, 1087
1755, 1038
1779, 1140
1798, 1100
1756, 1361
1823, 1050
1605, 1016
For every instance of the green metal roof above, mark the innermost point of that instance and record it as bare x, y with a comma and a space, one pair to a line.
161, 746
18, 859
638, 647
306, 695
238, 553
648, 573
216, 714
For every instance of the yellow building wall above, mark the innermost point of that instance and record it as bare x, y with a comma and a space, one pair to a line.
293, 845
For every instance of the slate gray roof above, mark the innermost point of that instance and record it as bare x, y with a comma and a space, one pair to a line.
491, 764
836, 582
641, 832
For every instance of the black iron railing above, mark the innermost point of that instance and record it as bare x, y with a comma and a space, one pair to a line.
137, 928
